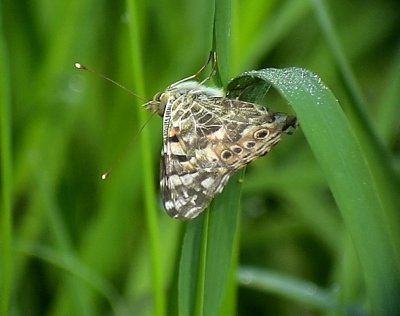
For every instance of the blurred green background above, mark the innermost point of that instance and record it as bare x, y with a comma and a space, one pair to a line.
79, 245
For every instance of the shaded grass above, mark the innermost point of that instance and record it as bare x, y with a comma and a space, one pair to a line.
6, 176
288, 287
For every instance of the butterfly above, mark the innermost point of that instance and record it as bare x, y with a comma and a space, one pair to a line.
207, 137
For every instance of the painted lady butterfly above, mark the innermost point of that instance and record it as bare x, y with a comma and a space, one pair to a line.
206, 138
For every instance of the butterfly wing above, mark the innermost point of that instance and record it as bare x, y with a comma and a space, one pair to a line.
188, 181
205, 141
186, 193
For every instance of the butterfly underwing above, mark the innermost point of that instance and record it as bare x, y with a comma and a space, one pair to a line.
206, 138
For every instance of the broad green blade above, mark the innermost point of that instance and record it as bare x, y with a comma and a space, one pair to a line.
361, 193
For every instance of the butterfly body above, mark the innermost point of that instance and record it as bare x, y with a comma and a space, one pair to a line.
206, 138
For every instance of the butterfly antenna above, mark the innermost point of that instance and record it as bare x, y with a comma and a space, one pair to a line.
123, 154
83, 67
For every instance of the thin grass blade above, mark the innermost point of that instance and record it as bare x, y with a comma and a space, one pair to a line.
6, 177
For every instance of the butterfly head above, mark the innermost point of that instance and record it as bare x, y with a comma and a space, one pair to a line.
161, 99
157, 105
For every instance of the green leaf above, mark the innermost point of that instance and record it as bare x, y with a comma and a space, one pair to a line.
208, 255
6, 176
70, 263
289, 287
148, 185
361, 194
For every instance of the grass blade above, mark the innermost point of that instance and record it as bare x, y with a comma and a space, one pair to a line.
368, 137
289, 287
208, 255
6, 177
148, 185
351, 174
72, 265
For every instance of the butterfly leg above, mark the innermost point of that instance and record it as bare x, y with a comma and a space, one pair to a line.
212, 58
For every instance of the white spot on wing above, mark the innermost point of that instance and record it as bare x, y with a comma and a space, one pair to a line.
169, 205
207, 183
193, 199
175, 180
187, 179
176, 149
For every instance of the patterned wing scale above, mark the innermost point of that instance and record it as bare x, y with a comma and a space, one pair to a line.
206, 139
186, 194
